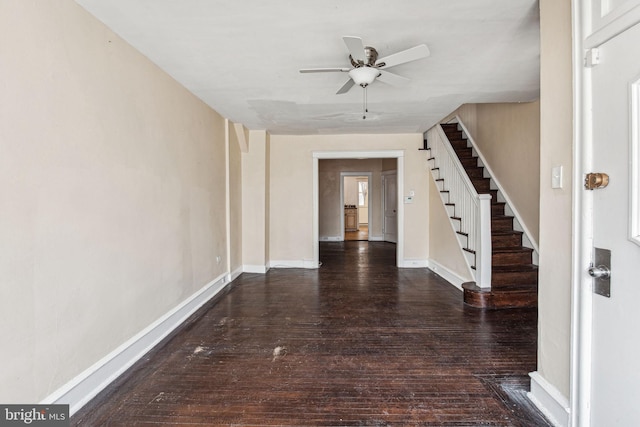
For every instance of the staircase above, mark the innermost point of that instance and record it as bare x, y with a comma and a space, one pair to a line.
514, 277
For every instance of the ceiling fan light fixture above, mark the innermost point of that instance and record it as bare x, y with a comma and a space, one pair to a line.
364, 76
367, 68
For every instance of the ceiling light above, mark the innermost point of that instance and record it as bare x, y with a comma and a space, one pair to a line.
364, 76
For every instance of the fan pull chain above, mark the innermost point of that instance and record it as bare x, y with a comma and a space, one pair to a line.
365, 110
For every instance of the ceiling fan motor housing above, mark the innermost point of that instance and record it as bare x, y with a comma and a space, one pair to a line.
371, 56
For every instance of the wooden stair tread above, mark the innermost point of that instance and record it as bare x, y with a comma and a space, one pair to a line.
514, 268
502, 217
505, 232
516, 296
504, 290
508, 276
510, 249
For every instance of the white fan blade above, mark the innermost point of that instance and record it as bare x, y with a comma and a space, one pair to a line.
392, 79
417, 52
345, 88
324, 70
356, 48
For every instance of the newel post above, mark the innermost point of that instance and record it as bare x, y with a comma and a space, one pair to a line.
483, 251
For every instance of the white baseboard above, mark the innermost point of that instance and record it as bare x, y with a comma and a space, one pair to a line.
293, 264
331, 239
549, 400
234, 274
262, 269
414, 263
84, 387
448, 275
340, 239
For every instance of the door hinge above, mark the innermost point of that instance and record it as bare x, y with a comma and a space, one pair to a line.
592, 57
595, 180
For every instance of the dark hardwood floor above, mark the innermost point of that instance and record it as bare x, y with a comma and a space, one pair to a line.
357, 342
361, 234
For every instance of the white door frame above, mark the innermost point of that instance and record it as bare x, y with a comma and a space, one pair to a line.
378, 154
580, 363
383, 198
369, 176
582, 246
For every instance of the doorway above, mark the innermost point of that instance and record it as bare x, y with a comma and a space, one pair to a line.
356, 213
398, 155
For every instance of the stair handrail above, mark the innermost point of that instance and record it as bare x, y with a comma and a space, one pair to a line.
476, 215
516, 214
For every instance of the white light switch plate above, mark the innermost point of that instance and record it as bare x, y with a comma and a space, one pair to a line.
556, 177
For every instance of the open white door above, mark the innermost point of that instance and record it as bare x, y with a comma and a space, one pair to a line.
610, 381
390, 201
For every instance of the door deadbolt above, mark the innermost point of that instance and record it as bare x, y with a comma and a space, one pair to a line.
595, 180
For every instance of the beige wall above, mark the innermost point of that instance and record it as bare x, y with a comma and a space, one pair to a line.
508, 136
255, 176
235, 202
329, 194
350, 190
468, 113
556, 135
113, 201
291, 192
267, 197
389, 165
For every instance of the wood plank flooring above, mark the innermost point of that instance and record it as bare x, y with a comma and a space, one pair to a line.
357, 342
361, 234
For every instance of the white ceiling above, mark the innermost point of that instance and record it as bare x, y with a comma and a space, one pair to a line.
242, 57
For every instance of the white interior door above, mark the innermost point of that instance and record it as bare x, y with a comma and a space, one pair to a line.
390, 195
615, 337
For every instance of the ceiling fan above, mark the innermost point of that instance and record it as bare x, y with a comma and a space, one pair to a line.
366, 67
